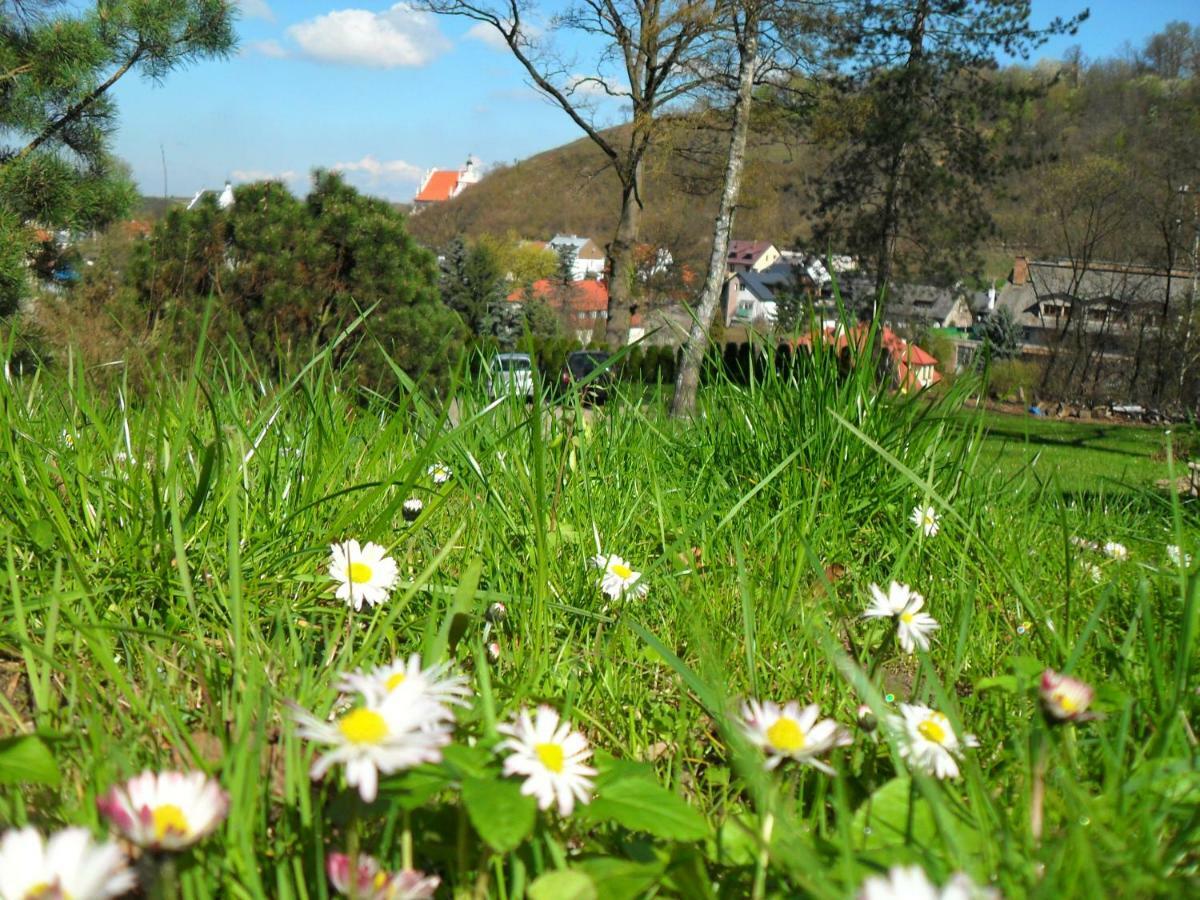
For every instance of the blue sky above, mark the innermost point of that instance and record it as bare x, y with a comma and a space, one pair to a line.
385, 93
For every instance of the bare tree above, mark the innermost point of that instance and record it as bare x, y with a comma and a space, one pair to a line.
651, 55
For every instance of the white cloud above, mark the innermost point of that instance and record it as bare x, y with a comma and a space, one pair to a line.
487, 34
270, 48
401, 36
256, 9
391, 170
244, 175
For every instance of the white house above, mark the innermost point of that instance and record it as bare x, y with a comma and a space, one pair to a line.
588, 257
440, 185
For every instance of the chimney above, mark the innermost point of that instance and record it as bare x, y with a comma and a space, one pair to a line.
1020, 273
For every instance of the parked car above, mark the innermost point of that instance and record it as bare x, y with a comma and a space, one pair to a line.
579, 366
510, 374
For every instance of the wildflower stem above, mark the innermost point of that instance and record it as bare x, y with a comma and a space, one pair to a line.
166, 880
764, 856
1037, 795
406, 842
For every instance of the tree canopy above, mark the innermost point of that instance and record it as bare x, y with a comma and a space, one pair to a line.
291, 274
58, 63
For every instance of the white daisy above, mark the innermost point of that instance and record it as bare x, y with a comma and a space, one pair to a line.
376, 737
1094, 572
927, 519
439, 472
364, 573
372, 882
412, 885
69, 865
432, 690
790, 732
928, 741
1178, 558
1114, 550
892, 603
619, 580
1065, 699
913, 627
551, 757
911, 883
165, 810
412, 508
66, 439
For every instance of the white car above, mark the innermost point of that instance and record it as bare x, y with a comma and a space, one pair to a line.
510, 373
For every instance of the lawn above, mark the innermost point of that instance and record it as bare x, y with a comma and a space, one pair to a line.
1078, 456
172, 568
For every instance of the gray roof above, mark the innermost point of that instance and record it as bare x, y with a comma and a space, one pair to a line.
904, 301
1120, 288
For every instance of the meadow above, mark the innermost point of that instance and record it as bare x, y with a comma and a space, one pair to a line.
169, 605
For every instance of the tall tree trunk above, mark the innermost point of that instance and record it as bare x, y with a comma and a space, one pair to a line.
688, 379
622, 274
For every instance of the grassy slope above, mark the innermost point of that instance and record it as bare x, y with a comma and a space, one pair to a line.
1078, 456
163, 611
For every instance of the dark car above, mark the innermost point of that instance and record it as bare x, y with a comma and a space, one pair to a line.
583, 364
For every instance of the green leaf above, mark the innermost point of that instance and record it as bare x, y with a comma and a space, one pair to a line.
41, 532
563, 885
466, 762
642, 805
27, 760
883, 819
501, 814
414, 788
621, 879
1006, 683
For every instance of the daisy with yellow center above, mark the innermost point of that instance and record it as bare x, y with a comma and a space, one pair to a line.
433, 690
1115, 550
439, 473
371, 882
552, 758
928, 742
68, 866
363, 573
926, 519
384, 735
619, 579
913, 627
165, 810
911, 883
1065, 699
789, 732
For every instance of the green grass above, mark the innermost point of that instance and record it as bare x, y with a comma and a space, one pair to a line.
163, 607
1079, 456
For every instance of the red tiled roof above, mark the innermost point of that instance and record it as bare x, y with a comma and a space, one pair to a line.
580, 296
746, 253
905, 356
439, 187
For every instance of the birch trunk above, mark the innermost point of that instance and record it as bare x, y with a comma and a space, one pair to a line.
688, 380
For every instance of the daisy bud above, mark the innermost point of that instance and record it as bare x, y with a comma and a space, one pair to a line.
412, 508
1065, 699
493, 651
165, 810
866, 719
497, 613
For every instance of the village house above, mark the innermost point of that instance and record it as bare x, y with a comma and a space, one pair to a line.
578, 304
587, 257
440, 185
752, 283
910, 367
914, 306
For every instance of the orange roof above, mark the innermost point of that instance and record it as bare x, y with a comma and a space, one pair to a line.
439, 186
904, 355
580, 296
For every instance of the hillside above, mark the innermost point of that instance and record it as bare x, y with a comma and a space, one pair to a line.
569, 189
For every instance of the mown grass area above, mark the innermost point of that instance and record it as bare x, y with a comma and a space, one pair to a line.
1079, 456
168, 602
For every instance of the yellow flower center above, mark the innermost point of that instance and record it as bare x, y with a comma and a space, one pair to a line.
360, 572
933, 728
395, 681
169, 819
363, 726
380, 879
1064, 700
46, 891
622, 572
906, 618
551, 756
786, 735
